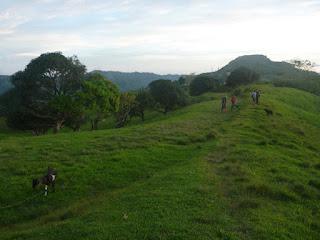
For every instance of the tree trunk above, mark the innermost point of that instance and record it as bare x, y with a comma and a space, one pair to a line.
94, 124
57, 126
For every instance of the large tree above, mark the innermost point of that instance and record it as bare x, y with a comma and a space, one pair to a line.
143, 101
305, 65
242, 75
203, 83
127, 105
167, 94
45, 91
100, 98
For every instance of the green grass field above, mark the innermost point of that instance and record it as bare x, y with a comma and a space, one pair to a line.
193, 174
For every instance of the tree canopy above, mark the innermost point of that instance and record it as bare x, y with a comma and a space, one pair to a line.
45, 89
100, 98
203, 83
167, 94
242, 75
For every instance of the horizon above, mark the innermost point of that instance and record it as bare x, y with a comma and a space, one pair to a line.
163, 37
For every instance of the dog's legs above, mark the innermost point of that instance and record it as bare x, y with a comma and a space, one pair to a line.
53, 188
46, 190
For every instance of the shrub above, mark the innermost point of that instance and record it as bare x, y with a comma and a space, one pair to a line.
203, 83
242, 76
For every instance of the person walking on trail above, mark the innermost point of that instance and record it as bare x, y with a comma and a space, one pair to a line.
254, 96
224, 104
234, 102
257, 96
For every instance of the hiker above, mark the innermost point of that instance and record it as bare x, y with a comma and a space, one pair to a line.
257, 96
224, 104
254, 96
234, 102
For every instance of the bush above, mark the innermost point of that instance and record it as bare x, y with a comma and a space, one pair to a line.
309, 85
242, 76
167, 94
203, 83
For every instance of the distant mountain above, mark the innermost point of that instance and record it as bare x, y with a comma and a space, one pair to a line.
5, 83
127, 81
268, 70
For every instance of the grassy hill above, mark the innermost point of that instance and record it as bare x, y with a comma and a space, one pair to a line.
193, 174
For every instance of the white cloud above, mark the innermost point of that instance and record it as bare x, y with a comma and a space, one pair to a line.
193, 35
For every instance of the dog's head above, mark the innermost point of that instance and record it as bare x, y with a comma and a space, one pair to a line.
35, 182
52, 171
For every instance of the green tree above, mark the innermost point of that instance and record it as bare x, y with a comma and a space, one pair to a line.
240, 76
100, 98
203, 83
127, 104
143, 101
167, 94
77, 116
44, 91
305, 65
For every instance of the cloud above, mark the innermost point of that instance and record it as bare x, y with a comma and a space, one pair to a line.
179, 35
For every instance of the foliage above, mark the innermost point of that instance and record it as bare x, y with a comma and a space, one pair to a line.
44, 91
143, 101
309, 85
127, 104
203, 83
242, 76
77, 116
100, 98
167, 94
305, 65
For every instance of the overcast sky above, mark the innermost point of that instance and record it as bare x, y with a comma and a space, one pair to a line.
167, 36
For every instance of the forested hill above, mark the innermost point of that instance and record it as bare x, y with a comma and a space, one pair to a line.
267, 69
4, 83
134, 80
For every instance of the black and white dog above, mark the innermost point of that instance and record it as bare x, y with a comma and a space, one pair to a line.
46, 180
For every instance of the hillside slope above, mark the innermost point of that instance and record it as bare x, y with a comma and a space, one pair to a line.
194, 174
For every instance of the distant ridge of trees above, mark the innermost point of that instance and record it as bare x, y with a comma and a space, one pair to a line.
127, 81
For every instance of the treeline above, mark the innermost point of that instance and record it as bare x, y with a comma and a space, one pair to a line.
210, 83
310, 85
55, 91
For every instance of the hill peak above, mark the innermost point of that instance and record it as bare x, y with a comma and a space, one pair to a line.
255, 58
267, 69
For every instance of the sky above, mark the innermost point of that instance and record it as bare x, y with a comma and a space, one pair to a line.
167, 36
